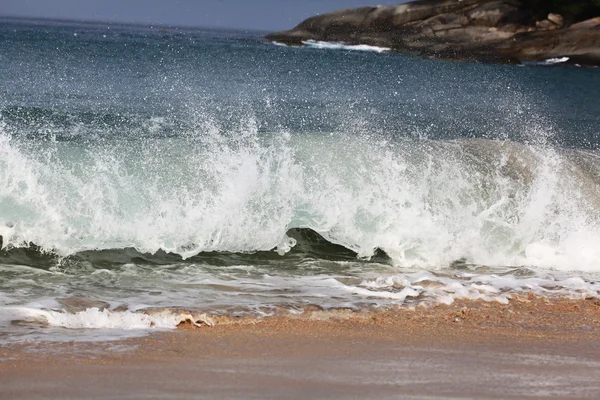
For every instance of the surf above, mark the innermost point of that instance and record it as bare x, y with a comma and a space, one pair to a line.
425, 203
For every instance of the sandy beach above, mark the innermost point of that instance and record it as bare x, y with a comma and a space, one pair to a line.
530, 348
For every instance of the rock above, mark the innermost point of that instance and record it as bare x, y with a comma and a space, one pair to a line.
592, 23
478, 30
545, 25
557, 20
490, 14
580, 42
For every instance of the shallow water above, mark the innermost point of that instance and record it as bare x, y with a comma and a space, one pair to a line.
209, 171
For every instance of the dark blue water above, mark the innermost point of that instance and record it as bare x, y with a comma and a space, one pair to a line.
106, 78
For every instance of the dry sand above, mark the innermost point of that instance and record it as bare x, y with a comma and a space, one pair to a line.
531, 348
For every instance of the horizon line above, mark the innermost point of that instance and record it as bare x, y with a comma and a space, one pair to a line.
124, 23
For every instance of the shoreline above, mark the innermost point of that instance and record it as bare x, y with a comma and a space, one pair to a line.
497, 32
531, 348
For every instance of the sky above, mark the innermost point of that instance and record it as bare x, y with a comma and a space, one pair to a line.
269, 15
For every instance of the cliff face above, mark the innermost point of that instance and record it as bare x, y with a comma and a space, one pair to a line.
480, 30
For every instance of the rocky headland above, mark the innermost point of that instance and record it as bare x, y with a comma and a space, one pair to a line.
502, 31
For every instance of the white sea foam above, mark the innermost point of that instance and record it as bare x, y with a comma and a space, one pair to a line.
558, 60
411, 288
343, 46
95, 318
426, 203
437, 289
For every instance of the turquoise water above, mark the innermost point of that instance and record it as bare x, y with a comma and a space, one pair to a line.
209, 170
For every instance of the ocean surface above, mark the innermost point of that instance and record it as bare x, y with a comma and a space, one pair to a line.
152, 174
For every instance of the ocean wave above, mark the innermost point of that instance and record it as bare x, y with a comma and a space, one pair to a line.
303, 244
552, 61
325, 294
96, 323
425, 203
344, 46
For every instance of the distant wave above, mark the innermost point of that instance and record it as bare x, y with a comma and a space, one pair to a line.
559, 60
343, 46
551, 62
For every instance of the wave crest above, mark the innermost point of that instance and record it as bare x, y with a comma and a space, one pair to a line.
424, 203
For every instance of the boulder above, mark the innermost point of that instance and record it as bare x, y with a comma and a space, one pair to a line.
580, 42
477, 30
490, 14
545, 25
557, 20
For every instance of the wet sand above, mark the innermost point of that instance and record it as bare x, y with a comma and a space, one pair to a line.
531, 348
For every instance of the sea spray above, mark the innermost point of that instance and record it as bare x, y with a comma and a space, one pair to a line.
425, 203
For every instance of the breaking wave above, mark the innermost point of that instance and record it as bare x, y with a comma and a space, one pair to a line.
343, 46
424, 203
